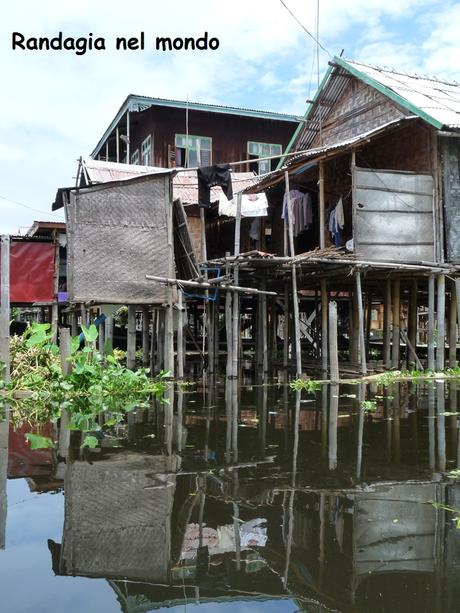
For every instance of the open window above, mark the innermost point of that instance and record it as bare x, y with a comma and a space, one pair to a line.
263, 150
193, 150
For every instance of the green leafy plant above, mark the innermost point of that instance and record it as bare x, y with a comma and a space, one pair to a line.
308, 385
369, 406
39, 392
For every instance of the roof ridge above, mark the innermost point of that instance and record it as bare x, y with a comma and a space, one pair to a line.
392, 70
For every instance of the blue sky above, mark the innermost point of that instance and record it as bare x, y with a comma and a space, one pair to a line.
54, 106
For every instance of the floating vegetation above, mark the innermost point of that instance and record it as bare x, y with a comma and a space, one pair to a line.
369, 406
308, 385
96, 385
446, 507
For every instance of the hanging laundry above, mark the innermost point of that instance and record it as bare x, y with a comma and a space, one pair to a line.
301, 209
252, 205
335, 221
209, 176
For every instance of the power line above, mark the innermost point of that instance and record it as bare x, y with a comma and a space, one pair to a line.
305, 29
26, 206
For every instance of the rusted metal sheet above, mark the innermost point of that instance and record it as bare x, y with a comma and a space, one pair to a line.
118, 233
393, 215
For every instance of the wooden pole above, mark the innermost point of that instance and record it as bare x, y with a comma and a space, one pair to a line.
354, 328
153, 343
264, 324
387, 325
322, 207
453, 326
5, 308
180, 337
368, 322
333, 346
362, 345
324, 342
431, 313
441, 323
131, 338
55, 305
128, 138
286, 326
295, 297
117, 137
109, 323
145, 336
236, 301
412, 319
396, 323
101, 337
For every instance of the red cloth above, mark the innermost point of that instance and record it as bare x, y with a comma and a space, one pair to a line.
31, 272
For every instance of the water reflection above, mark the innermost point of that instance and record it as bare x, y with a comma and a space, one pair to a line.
338, 499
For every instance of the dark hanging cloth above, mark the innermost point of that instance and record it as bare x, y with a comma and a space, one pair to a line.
209, 176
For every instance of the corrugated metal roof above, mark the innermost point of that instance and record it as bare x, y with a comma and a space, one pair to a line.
433, 98
98, 171
185, 185
141, 103
435, 101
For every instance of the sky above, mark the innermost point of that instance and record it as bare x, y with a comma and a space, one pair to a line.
55, 105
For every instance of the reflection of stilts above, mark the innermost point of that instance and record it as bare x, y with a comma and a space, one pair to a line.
333, 418
359, 454
441, 425
293, 486
4, 427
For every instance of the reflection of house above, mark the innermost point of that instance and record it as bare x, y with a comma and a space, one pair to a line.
117, 518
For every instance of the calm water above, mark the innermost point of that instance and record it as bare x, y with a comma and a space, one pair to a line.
253, 498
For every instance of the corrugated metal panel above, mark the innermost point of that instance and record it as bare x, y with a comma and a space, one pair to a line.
117, 233
393, 215
98, 171
451, 176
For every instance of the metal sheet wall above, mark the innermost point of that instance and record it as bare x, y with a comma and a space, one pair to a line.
31, 272
393, 215
451, 179
117, 233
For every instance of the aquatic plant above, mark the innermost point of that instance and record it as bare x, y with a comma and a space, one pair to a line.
369, 406
446, 507
308, 385
39, 391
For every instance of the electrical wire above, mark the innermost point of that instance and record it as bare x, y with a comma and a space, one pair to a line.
305, 29
26, 206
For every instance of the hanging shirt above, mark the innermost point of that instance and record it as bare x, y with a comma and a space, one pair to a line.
252, 205
209, 176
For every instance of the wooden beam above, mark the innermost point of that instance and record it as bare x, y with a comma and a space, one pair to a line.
387, 325
145, 336
396, 323
324, 331
453, 326
362, 344
5, 308
131, 339
333, 345
430, 336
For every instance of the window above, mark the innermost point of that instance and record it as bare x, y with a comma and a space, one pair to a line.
135, 157
264, 150
146, 151
199, 150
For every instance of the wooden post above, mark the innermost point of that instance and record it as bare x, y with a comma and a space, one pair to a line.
286, 327
264, 325
169, 337
362, 346
128, 138
396, 323
74, 322
153, 343
117, 136
145, 336
109, 323
180, 337
55, 305
5, 308
431, 313
412, 319
203, 250
65, 350
387, 325
333, 423
295, 297
324, 327
236, 299
354, 328
453, 326
333, 346
441, 327
101, 337
368, 323
322, 207
131, 338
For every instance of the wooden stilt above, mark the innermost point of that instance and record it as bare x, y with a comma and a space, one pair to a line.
236, 298
101, 337
153, 343
5, 308
333, 346
264, 325
180, 337
324, 342
441, 325
362, 346
354, 328
396, 323
333, 423
431, 319
387, 325
286, 327
169, 337
74, 323
412, 327
295, 297
131, 338
145, 336
55, 306
109, 322
453, 326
